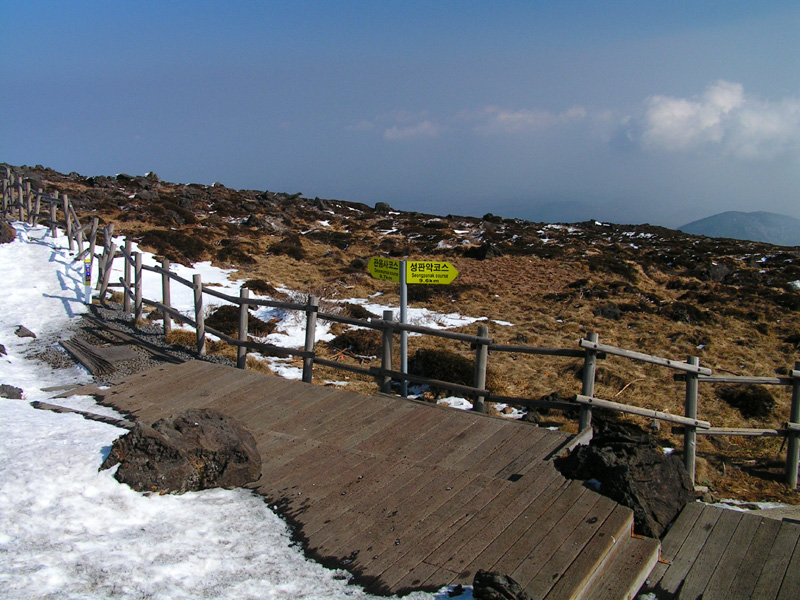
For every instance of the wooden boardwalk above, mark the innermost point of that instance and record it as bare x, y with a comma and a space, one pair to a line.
713, 552
408, 495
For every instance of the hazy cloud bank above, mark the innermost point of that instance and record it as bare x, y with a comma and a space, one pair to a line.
723, 117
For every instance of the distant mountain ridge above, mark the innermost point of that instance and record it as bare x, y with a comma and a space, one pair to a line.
759, 226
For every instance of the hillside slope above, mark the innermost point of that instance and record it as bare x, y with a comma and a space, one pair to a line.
734, 304
760, 226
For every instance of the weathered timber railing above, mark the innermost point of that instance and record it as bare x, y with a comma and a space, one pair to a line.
19, 199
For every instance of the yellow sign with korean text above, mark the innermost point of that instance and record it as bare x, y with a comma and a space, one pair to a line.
430, 272
386, 269
417, 271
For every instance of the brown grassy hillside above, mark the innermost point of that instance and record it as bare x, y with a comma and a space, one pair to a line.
640, 287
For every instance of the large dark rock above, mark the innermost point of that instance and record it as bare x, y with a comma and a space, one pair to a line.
7, 233
190, 451
496, 586
483, 252
633, 471
11, 392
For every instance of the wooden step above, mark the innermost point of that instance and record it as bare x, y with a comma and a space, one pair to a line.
624, 571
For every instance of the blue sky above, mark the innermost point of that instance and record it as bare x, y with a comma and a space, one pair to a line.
660, 112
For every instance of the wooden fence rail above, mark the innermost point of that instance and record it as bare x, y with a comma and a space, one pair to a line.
18, 197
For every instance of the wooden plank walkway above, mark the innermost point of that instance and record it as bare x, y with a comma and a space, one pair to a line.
409, 495
712, 552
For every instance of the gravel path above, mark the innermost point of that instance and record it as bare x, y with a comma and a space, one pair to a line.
113, 314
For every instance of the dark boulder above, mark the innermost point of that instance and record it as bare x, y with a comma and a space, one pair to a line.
10, 392
483, 252
7, 233
194, 450
633, 471
24, 332
496, 586
382, 208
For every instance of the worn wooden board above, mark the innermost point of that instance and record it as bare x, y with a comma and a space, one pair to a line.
403, 494
712, 552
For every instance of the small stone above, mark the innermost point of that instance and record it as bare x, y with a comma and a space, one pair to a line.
496, 586
3, 350
23, 332
10, 392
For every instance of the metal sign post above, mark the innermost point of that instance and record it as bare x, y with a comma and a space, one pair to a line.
405, 272
87, 279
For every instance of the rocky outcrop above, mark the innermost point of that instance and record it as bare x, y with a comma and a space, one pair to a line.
11, 392
496, 586
631, 470
7, 233
190, 451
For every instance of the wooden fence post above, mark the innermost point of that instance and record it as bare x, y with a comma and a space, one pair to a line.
199, 317
481, 360
311, 332
793, 447
37, 205
20, 201
5, 196
67, 219
241, 354
108, 261
53, 228
93, 238
690, 411
386, 352
137, 277
165, 296
28, 201
587, 385
126, 276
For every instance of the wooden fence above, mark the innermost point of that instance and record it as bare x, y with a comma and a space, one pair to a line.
15, 197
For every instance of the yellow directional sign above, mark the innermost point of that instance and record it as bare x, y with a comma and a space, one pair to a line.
417, 271
430, 272
386, 269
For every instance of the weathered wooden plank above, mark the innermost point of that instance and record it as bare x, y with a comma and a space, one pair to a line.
548, 559
588, 564
362, 490
685, 558
530, 448
771, 577
707, 560
625, 575
433, 531
674, 539
479, 528
502, 545
340, 530
393, 439
745, 579
399, 534
790, 586
734, 558
482, 430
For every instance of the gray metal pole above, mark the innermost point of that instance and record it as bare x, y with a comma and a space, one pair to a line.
311, 334
386, 352
403, 333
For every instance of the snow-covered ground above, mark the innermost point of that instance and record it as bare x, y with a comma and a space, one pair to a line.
69, 531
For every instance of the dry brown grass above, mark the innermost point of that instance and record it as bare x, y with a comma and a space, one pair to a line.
667, 299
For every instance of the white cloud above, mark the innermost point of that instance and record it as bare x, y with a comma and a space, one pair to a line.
723, 116
423, 129
494, 119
